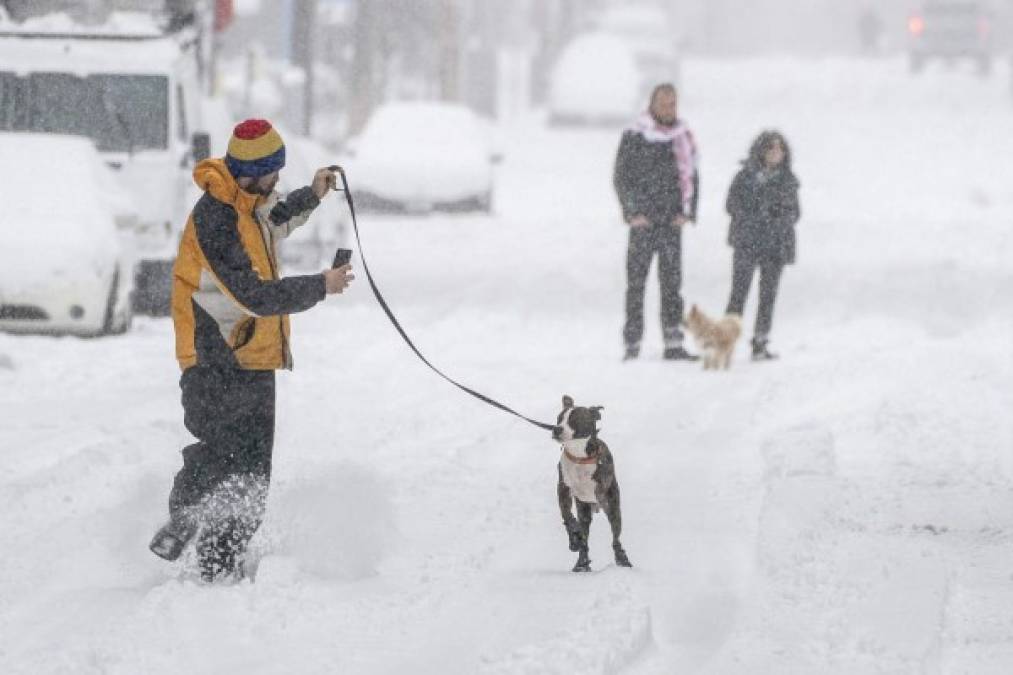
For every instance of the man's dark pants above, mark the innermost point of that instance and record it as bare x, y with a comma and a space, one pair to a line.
225, 474
744, 266
645, 242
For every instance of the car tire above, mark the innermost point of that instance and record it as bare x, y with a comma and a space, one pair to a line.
916, 63
117, 324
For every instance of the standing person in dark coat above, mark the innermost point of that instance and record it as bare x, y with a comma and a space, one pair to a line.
657, 184
763, 204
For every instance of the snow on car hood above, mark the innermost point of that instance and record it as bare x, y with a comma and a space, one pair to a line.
43, 251
60, 210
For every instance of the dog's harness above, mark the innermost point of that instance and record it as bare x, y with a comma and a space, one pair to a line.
397, 325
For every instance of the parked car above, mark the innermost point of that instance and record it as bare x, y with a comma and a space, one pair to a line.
648, 32
66, 265
951, 30
421, 157
595, 82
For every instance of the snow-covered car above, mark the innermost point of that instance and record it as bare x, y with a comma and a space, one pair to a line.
421, 157
648, 32
66, 263
595, 81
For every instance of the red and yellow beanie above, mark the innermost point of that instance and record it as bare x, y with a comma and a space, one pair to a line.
255, 150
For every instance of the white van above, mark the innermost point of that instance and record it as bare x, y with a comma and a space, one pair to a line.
136, 95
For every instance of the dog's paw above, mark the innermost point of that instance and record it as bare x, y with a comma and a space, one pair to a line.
583, 562
621, 558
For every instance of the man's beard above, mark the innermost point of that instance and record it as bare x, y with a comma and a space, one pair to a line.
255, 188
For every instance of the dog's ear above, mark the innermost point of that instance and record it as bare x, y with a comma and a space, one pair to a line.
567, 401
596, 412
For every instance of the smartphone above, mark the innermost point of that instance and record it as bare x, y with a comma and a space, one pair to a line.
342, 257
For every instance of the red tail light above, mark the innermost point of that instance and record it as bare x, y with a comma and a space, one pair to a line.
916, 25
984, 27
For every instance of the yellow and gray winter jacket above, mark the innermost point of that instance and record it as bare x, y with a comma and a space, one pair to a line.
229, 302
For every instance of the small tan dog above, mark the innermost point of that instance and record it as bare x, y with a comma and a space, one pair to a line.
715, 338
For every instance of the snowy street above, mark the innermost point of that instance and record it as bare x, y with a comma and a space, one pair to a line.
845, 509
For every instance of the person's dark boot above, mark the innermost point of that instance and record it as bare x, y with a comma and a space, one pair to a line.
760, 351
678, 354
631, 353
169, 542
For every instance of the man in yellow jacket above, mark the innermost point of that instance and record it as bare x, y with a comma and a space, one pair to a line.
230, 310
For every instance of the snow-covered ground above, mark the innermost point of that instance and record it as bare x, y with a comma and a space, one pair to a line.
847, 509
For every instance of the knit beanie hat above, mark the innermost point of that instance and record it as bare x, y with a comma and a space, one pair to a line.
255, 150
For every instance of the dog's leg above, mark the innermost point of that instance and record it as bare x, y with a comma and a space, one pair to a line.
584, 514
614, 513
566, 510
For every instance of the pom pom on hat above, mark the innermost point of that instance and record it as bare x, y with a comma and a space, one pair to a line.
255, 149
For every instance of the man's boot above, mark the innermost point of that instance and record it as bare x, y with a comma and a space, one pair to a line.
172, 538
679, 354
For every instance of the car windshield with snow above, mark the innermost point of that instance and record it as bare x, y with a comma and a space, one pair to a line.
121, 113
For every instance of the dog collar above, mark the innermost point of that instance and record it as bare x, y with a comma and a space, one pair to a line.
579, 460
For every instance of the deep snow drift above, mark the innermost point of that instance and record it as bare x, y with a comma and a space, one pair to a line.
846, 509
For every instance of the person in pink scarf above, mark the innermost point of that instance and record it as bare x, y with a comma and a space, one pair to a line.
657, 183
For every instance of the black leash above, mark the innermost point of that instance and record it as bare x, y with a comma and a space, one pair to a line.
397, 325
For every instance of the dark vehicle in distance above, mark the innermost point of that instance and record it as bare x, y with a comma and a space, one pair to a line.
951, 31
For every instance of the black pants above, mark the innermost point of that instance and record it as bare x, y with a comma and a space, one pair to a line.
744, 266
225, 475
645, 242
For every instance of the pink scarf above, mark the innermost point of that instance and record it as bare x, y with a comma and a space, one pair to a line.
683, 147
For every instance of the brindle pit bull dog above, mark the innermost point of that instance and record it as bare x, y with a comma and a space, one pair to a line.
587, 475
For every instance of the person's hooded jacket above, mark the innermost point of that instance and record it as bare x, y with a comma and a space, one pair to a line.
764, 208
229, 302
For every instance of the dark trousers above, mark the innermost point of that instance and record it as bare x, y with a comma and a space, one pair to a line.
224, 480
744, 266
645, 242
